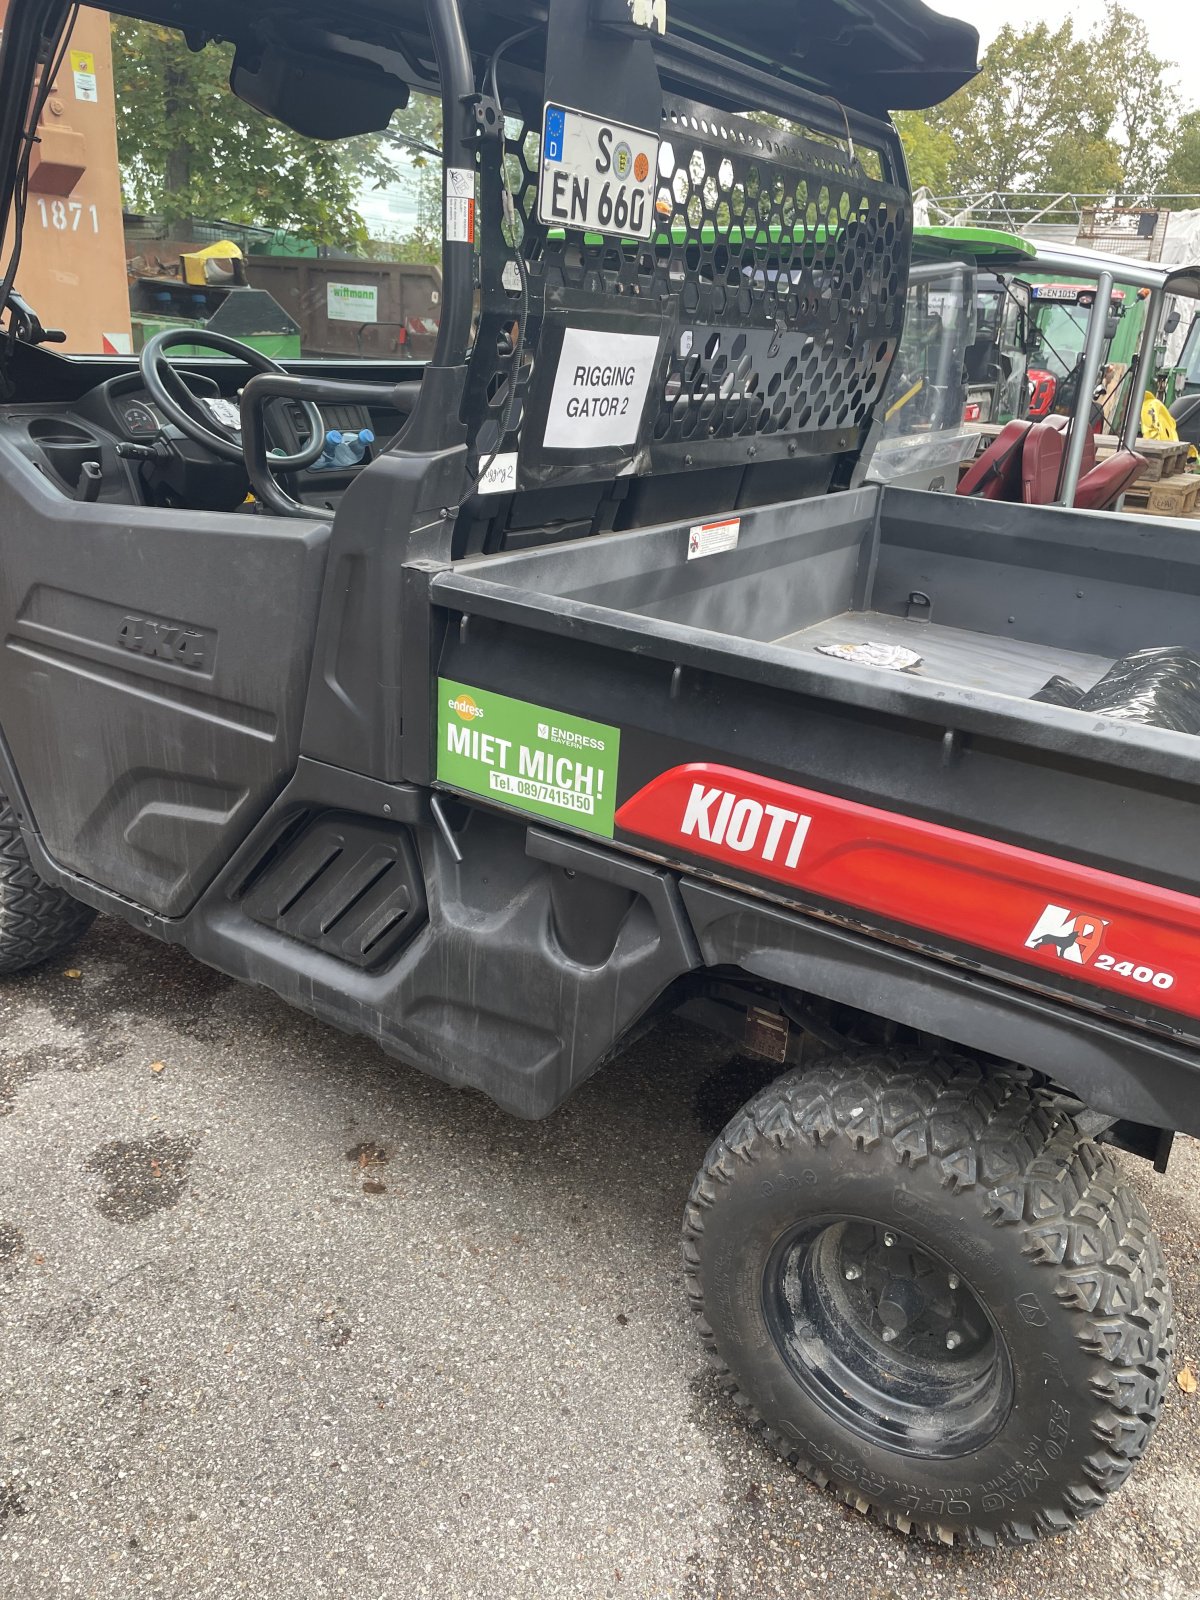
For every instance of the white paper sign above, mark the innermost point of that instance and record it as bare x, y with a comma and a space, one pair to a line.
599, 389
352, 302
501, 476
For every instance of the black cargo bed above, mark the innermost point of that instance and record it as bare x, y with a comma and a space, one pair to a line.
1006, 611
1017, 667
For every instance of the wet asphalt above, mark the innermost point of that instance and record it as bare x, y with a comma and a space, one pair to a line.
282, 1318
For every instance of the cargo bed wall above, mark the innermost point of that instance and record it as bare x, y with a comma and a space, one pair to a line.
1087, 582
792, 565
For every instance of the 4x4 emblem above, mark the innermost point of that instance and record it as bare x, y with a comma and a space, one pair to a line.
164, 641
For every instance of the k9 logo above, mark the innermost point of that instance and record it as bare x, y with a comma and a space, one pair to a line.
1076, 937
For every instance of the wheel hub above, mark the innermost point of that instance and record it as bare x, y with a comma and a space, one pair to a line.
888, 1335
899, 1290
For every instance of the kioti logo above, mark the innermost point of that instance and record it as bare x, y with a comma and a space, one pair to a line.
464, 707
1073, 935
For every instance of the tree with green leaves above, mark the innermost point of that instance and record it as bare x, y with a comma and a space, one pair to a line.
189, 148
930, 151
1182, 175
1146, 104
1053, 111
417, 133
1034, 100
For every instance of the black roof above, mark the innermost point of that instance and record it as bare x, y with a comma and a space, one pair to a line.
876, 55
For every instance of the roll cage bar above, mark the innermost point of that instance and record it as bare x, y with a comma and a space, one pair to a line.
1106, 271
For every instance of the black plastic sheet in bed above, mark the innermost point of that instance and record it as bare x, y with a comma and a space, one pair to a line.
1159, 687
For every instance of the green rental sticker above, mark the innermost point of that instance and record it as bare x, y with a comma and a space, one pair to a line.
528, 756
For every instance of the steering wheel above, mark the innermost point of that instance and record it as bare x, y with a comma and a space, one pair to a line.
216, 424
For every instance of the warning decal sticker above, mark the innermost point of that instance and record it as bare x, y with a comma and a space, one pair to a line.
527, 756
83, 70
460, 205
713, 538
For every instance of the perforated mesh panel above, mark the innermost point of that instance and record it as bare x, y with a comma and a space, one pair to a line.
777, 276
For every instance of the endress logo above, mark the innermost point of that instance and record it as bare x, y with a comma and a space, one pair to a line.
465, 708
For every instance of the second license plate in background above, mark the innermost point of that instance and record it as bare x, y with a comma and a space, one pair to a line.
596, 176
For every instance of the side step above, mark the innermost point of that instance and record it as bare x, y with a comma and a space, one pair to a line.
343, 884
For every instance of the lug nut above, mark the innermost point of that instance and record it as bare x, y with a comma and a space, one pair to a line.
952, 1280
853, 1273
953, 1340
889, 1239
888, 1335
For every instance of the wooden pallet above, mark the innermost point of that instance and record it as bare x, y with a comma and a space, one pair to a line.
1168, 497
1164, 458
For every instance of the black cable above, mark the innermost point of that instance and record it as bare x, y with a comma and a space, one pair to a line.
494, 61
511, 217
422, 149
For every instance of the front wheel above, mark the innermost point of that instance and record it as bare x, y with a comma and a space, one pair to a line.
933, 1295
37, 921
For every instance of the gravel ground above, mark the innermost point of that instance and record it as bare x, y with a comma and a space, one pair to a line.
281, 1318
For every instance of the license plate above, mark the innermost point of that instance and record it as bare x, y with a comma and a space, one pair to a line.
596, 176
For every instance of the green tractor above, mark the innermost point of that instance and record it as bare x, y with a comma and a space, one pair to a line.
1060, 315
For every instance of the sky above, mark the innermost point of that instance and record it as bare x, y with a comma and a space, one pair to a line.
1174, 34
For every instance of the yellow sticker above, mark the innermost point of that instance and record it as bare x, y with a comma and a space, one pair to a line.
83, 70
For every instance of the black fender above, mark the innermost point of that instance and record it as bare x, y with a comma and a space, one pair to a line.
1113, 1068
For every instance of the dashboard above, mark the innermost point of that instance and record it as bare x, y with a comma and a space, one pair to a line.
113, 445
138, 417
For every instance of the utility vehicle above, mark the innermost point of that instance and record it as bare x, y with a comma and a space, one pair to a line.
1053, 454
594, 692
961, 360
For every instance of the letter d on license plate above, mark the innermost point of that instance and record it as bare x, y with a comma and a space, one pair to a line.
596, 176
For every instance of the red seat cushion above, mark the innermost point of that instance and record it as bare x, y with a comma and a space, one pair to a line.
997, 473
1041, 464
1108, 481
1065, 424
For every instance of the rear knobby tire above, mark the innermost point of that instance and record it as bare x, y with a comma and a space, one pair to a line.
976, 1181
37, 921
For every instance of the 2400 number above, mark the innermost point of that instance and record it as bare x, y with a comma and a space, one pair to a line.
1126, 969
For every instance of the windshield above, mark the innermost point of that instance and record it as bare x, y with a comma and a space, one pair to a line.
927, 389
1060, 338
160, 200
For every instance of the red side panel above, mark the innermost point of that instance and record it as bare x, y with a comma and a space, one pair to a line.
1141, 941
